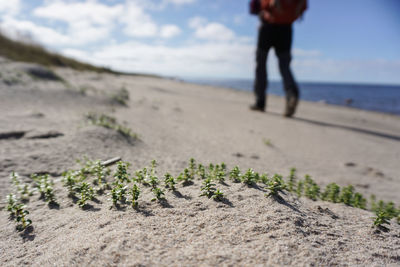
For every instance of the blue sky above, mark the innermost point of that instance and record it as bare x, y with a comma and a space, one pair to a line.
338, 41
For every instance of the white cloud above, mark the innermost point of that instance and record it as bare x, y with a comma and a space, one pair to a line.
197, 22
169, 31
137, 22
10, 7
215, 31
179, 2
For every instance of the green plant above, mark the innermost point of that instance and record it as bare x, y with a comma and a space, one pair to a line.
250, 177
100, 172
86, 192
218, 195
20, 216
292, 180
169, 181
331, 193
381, 218
264, 179
70, 180
300, 188
275, 185
201, 171
192, 167
110, 123
23, 189
359, 201
121, 96
219, 173
311, 189
267, 142
158, 194
118, 194
134, 193
121, 173
185, 177
12, 202
235, 175
208, 188
45, 187
347, 195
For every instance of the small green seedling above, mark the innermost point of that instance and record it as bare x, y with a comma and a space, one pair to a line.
45, 187
275, 185
192, 167
208, 188
381, 219
267, 142
20, 217
347, 195
23, 189
311, 189
169, 182
235, 175
250, 177
201, 171
70, 181
158, 194
134, 193
185, 177
100, 173
118, 194
359, 201
121, 174
12, 202
218, 195
331, 193
299, 189
292, 180
87, 193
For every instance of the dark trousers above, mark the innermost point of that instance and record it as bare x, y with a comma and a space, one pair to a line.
278, 37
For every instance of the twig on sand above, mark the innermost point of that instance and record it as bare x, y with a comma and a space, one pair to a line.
110, 161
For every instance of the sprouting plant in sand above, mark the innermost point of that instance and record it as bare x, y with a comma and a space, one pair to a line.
70, 181
267, 142
118, 194
20, 214
299, 188
121, 173
275, 185
235, 175
220, 172
201, 171
331, 193
110, 123
22, 189
192, 167
45, 187
140, 176
158, 194
169, 182
100, 173
311, 188
347, 195
12, 202
134, 193
359, 201
185, 177
86, 194
291, 185
381, 219
264, 179
121, 96
208, 188
250, 177
218, 195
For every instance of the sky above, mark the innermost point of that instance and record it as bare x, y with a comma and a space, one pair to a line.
336, 41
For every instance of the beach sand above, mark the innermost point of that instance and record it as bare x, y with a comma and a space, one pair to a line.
43, 130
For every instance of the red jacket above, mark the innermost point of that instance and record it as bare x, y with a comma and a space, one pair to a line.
283, 11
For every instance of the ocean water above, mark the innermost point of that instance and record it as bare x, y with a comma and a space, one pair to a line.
382, 98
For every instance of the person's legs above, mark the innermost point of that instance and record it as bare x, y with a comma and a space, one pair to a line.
283, 52
260, 84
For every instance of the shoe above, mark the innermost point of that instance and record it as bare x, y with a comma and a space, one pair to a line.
291, 104
257, 108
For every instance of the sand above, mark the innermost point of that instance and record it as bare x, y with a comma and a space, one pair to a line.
43, 130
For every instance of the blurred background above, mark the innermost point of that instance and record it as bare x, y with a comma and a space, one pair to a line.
345, 52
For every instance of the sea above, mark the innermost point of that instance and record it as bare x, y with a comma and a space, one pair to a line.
381, 98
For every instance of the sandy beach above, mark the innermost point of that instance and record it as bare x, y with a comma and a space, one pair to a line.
43, 129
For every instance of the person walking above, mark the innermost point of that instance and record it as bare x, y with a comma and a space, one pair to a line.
276, 31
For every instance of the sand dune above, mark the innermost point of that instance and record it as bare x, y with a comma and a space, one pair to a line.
43, 129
